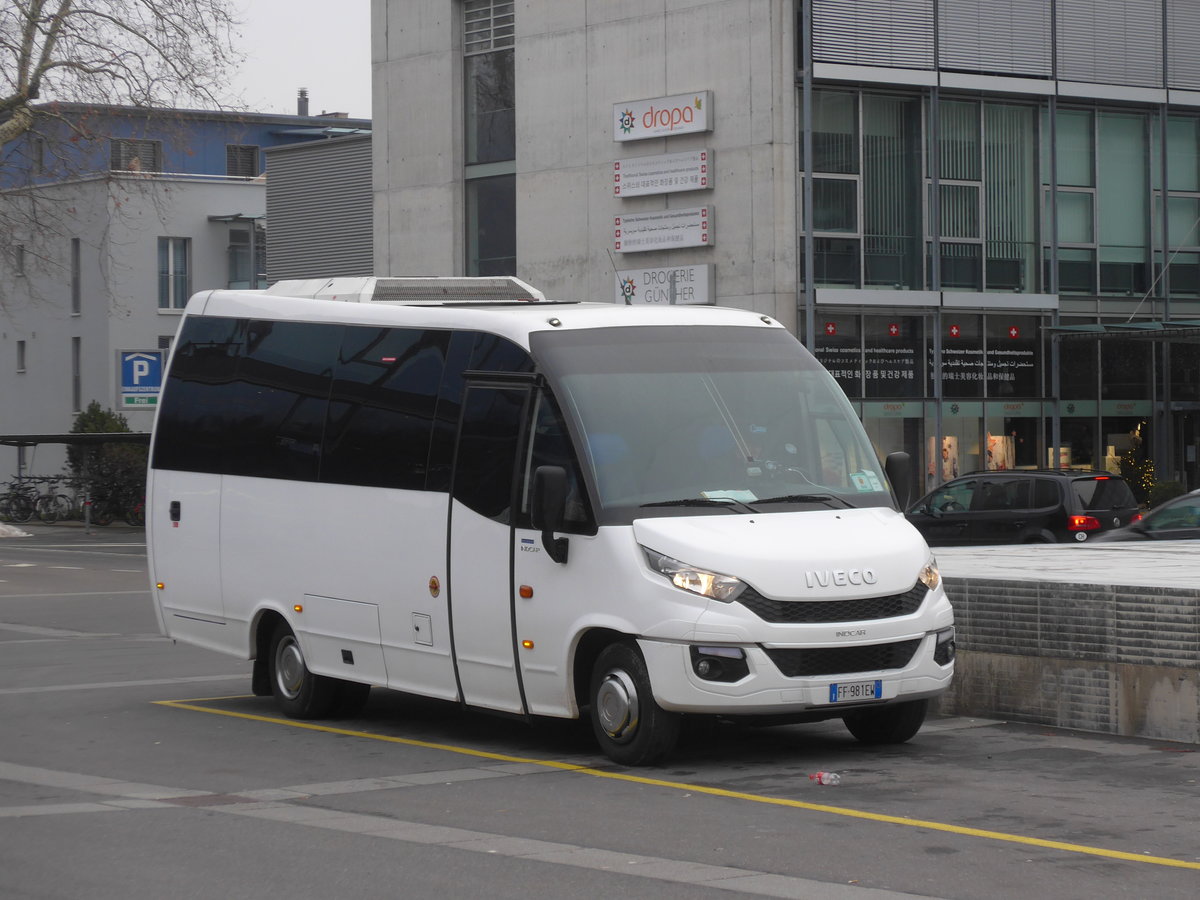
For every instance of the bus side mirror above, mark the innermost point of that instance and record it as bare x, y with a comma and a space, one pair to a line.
898, 467
548, 506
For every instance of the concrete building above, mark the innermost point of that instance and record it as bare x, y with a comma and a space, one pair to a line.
982, 215
105, 238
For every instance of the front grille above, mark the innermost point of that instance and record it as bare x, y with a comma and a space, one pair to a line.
796, 611
843, 660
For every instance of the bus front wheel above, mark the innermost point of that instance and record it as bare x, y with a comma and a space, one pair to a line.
630, 727
298, 692
893, 724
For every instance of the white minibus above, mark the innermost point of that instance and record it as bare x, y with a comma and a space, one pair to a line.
458, 489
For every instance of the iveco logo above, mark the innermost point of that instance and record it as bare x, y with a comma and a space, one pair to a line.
839, 577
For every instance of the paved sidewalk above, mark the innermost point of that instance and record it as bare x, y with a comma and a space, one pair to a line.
1174, 564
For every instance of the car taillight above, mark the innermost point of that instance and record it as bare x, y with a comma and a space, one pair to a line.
1137, 517
1083, 523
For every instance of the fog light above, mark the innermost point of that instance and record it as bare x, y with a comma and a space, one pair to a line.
725, 664
943, 653
708, 668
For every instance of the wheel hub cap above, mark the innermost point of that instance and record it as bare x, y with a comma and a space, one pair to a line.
617, 705
289, 669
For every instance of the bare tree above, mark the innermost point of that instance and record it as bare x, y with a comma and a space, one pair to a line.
164, 53
62, 63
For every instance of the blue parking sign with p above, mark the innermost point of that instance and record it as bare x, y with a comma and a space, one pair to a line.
141, 377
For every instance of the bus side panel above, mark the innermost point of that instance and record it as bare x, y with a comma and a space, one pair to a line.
184, 538
361, 549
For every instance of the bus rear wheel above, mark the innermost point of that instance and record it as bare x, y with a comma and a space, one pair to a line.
299, 693
630, 727
893, 724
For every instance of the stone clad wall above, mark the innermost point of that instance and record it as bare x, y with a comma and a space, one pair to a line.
1106, 658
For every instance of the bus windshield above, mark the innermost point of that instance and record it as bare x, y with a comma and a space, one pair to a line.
697, 418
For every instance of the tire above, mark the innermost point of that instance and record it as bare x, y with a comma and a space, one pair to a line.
892, 724
630, 727
298, 692
47, 509
20, 508
102, 513
135, 514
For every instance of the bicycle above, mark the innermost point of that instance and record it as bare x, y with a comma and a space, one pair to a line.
51, 505
19, 502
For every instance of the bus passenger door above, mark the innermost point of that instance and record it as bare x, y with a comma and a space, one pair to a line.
482, 503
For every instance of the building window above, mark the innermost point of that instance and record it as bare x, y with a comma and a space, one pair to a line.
76, 279
76, 374
135, 156
247, 258
19, 259
241, 160
490, 137
39, 155
164, 341
174, 272
491, 239
20, 357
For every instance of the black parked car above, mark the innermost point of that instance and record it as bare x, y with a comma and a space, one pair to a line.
1175, 520
1021, 506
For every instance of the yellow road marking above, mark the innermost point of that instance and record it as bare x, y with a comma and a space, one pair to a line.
694, 788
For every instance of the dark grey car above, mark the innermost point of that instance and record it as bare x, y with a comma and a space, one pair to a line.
1024, 507
1175, 520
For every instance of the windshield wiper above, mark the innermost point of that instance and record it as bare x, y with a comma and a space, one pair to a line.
727, 502
808, 498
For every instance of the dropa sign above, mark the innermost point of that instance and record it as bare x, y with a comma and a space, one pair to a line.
682, 114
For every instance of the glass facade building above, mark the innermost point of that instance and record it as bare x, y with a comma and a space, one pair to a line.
1000, 248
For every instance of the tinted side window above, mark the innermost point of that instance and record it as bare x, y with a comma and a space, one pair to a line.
192, 429
1046, 493
1099, 494
551, 446
488, 445
277, 410
382, 406
475, 351
1010, 493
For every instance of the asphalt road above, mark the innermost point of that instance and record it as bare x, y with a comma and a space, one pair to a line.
134, 768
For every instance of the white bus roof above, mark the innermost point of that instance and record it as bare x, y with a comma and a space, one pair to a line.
412, 291
515, 319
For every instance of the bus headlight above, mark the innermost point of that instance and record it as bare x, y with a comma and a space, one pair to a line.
695, 580
930, 576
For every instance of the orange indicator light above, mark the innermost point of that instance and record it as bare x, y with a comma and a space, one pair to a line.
528, 645
526, 592
298, 608
160, 585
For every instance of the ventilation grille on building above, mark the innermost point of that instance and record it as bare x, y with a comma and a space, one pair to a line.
488, 25
881, 33
1183, 36
1110, 41
1008, 37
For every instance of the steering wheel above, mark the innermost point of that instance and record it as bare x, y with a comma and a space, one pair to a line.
952, 506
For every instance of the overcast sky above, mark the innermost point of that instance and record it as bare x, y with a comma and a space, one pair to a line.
322, 45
